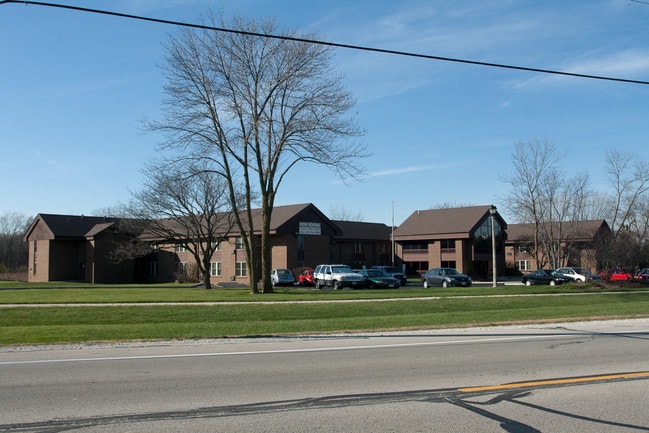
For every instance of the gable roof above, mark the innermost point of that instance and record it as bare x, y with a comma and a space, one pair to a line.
363, 231
68, 227
52, 226
285, 216
584, 230
441, 223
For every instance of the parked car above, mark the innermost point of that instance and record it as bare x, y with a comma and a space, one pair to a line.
282, 277
593, 277
336, 276
305, 278
378, 279
545, 276
575, 273
445, 277
642, 275
619, 275
393, 271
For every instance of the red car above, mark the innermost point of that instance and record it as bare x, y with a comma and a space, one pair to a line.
619, 275
306, 278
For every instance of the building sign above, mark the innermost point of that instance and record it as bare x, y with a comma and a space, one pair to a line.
310, 229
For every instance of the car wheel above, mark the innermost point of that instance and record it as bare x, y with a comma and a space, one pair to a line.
336, 285
553, 283
444, 284
528, 283
425, 284
317, 285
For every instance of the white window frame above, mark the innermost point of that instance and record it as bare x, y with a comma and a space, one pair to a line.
241, 269
524, 265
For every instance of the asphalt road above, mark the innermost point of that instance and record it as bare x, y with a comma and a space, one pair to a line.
572, 377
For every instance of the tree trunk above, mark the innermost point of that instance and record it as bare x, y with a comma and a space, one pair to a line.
266, 246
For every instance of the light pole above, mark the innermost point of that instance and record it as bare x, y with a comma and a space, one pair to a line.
492, 211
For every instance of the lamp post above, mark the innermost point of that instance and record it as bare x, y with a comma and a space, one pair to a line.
492, 212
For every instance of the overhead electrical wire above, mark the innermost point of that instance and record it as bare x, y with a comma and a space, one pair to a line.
331, 44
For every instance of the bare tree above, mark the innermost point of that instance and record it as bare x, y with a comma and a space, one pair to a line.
542, 196
628, 176
180, 204
342, 213
13, 250
254, 107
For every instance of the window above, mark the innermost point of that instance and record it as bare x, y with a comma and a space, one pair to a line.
415, 246
241, 269
181, 268
238, 243
34, 263
215, 269
300, 242
155, 248
153, 269
482, 236
523, 248
181, 248
216, 245
524, 265
448, 245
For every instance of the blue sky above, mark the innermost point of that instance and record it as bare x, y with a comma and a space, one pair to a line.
76, 86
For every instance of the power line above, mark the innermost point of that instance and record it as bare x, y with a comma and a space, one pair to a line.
331, 44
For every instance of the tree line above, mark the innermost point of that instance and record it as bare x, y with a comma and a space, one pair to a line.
13, 250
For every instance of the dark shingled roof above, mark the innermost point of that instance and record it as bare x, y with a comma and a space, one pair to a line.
364, 231
73, 226
582, 230
441, 222
284, 214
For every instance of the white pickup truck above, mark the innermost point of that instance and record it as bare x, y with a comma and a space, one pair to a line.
336, 276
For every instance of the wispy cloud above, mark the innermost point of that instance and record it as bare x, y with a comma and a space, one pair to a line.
626, 64
412, 169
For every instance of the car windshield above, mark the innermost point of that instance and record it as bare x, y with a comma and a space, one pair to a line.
449, 271
581, 271
283, 272
341, 269
376, 273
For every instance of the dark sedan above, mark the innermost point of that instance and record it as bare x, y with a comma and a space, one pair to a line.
378, 279
445, 277
545, 276
642, 275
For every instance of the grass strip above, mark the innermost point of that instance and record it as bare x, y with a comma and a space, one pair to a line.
60, 324
50, 293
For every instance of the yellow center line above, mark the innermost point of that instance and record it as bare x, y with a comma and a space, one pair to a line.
557, 381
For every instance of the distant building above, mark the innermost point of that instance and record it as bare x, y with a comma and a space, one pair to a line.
456, 238
76, 248
579, 239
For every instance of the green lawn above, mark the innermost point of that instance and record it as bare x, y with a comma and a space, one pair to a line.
234, 312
